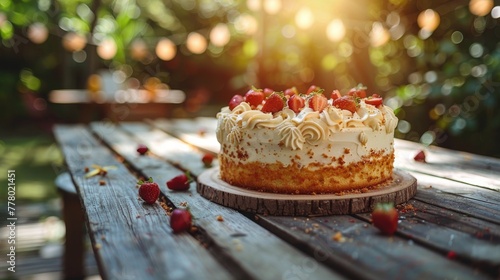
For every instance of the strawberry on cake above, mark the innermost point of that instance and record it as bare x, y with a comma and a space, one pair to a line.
306, 143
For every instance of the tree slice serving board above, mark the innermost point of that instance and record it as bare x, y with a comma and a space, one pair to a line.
398, 190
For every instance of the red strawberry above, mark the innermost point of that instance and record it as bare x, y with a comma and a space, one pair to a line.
336, 94
180, 220
345, 103
254, 97
274, 103
268, 92
314, 88
420, 156
318, 102
374, 100
207, 159
296, 103
235, 101
149, 191
180, 182
385, 218
291, 91
142, 149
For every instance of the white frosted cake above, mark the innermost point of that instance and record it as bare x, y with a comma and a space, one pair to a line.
305, 144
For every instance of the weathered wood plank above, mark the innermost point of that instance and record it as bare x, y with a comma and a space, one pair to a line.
361, 245
130, 239
250, 247
460, 167
474, 241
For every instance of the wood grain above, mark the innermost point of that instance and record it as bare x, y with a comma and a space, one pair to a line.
130, 239
398, 190
237, 239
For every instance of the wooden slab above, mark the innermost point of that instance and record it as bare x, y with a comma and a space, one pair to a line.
400, 189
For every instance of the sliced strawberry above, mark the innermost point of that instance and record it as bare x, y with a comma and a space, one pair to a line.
274, 103
345, 103
375, 101
235, 101
296, 103
291, 91
254, 97
318, 102
359, 91
336, 94
385, 218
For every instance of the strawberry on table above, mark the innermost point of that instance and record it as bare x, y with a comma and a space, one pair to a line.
207, 159
254, 97
296, 103
180, 182
420, 156
149, 191
318, 102
235, 101
142, 149
345, 103
385, 218
180, 220
274, 103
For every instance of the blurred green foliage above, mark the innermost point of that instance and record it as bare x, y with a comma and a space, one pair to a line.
439, 73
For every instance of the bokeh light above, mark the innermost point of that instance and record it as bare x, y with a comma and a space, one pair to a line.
379, 35
246, 24
196, 43
220, 35
38, 33
139, 49
74, 42
272, 7
304, 18
107, 49
335, 30
480, 7
166, 49
428, 20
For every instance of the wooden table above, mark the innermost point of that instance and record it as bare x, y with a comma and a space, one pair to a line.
449, 230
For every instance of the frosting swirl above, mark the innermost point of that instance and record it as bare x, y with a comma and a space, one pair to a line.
313, 131
291, 135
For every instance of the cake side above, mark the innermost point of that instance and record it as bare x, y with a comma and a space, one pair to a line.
309, 151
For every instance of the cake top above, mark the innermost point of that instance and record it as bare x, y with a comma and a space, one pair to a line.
305, 118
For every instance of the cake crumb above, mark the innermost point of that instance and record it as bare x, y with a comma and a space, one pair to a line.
86, 169
102, 183
220, 218
338, 237
183, 204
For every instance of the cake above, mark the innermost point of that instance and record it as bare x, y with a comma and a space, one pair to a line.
306, 143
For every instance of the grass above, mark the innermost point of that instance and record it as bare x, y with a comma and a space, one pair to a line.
36, 160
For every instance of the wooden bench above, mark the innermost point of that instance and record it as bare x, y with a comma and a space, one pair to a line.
449, 230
